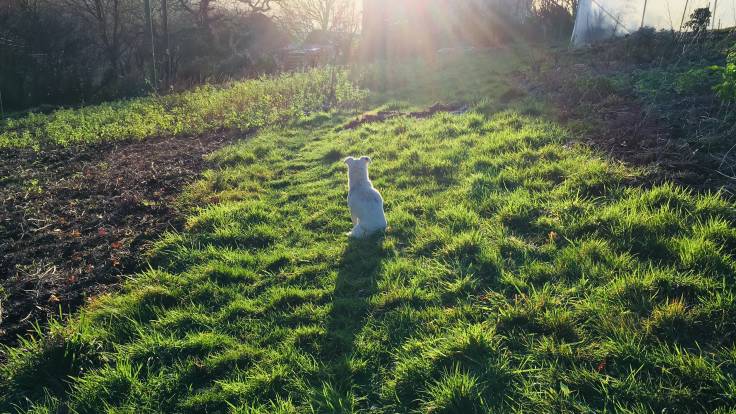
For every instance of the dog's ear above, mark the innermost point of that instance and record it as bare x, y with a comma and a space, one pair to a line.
366, 159
348, 160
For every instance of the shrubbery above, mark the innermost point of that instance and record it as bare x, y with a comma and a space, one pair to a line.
241, 105
726, 89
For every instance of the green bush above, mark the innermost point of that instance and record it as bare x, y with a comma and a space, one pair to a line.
695, 81
726, 89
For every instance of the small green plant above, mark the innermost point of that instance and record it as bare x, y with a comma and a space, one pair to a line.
34, 187
726, 89
666, 86
695, 81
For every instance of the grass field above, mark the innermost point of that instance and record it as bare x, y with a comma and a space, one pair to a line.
243, 106
520, 273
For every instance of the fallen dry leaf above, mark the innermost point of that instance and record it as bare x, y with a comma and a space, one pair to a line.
601, 366
553, 236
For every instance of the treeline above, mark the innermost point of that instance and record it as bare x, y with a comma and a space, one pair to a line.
64, 52
72, 52
394, 29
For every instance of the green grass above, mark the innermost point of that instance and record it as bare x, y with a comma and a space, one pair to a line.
454, 78
520, 273
243, 106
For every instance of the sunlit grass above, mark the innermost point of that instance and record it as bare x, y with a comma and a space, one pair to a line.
242, 106
455, 77
520, 273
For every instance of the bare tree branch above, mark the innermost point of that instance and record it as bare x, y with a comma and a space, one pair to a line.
300, 17
258, 6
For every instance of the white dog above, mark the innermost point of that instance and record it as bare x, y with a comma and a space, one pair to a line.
365, 202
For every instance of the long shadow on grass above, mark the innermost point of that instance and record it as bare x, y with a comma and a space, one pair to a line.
356, 284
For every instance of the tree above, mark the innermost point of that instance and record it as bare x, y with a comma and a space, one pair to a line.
63, 52
258, 6
205, 11
110, 19
49, 55
554, 17
699, 20
301, 17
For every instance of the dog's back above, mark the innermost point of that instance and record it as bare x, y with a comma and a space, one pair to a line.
365, 202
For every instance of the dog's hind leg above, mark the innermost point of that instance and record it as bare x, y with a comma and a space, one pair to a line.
358, 232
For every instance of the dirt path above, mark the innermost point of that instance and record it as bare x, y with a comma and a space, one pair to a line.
74, 221
381, 116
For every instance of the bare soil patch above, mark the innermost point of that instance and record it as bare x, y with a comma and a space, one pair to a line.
382, 116
74, 221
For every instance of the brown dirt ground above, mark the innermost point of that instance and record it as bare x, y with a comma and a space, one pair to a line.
382, 116
74, 221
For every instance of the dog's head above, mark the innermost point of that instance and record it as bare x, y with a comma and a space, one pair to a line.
361, 162
357, 166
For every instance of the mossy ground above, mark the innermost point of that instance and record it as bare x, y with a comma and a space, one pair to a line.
520, 273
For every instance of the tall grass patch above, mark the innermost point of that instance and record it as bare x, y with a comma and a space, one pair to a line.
243, 106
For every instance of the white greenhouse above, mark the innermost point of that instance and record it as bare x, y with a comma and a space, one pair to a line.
601, 19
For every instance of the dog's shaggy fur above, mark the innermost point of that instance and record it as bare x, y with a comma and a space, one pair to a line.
365, 202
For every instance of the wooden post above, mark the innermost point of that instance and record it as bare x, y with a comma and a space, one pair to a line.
713, 23
644, 14
684, 12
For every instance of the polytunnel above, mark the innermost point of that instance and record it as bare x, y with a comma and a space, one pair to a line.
602, 19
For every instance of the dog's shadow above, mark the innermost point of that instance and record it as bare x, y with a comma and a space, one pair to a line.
357, 282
